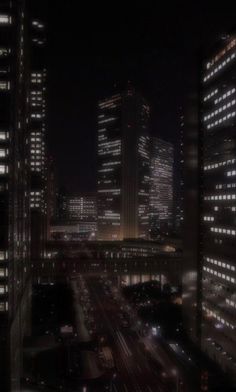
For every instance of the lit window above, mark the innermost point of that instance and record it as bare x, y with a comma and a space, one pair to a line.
3, 153
3, 169
4, 85
3, 255
4, 52
3, 272
5, 19
3, 306
3, 289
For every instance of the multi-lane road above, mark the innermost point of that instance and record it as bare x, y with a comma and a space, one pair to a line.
135, 370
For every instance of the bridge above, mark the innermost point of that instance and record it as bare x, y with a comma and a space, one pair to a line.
50, 270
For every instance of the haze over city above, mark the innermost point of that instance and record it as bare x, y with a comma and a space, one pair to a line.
117, 197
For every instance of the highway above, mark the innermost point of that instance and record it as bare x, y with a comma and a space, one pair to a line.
134, 371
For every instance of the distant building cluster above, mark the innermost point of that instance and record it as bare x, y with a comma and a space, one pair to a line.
135, 171
76, 217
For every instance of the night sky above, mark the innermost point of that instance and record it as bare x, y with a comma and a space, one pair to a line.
92, 47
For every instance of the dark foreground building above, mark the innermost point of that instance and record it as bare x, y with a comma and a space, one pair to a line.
123, 166
22, 111
38, 128
210, 228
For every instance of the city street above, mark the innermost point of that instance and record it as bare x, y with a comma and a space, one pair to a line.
135, 370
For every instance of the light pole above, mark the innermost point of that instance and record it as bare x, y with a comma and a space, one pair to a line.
176, 375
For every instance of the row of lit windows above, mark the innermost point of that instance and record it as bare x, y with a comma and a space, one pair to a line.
223, 231
5, 19
220, 197
220, 54
37, 24
114, 191
230, 302
231, 173
221, 120
220, 263
109, 102
107, 120
226, 95
34, 115
219, 274
219, 164
105, 170
208, 218
215, 315
113, 143
223, 186
219, 110
5, 85
219, 67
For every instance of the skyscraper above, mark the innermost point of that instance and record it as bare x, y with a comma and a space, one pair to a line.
38, 126
161, 185
14, 190
211, 253
82, 207
123, 166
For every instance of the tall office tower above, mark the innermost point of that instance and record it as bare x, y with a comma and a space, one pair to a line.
50, 194
179, 177
14, 191
210, 287
38, 125
82, 211
123, 166
218, 204
161, 185
82, 207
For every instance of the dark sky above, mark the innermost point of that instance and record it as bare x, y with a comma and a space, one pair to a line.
91, 47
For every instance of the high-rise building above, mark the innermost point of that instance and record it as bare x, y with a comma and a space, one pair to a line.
161, 185
210, 276
82, 207
14, 190
50, 194
38, 126
123, 166
179, 180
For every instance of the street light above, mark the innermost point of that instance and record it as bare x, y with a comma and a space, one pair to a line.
176, 375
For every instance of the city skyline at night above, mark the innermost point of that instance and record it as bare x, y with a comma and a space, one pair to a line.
117, 197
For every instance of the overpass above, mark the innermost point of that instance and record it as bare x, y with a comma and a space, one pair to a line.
58, 269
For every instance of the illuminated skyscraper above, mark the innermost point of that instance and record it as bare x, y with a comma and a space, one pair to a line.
14, 190
82, 207
38, 126
123, 166
161, 189
210, 228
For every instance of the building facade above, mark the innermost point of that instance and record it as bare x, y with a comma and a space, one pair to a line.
123, 166
14, 190
82, 207
161, 185
38, 126
209, 292
218, 204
